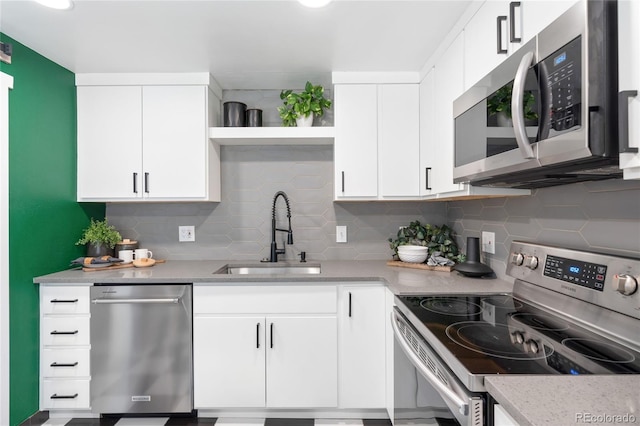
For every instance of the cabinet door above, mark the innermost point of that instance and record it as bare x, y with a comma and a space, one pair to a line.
362, 347
428, 147
109, 142
302, 366
481, 41
356, 141
174, 141
228, 362
629, 80
399, 139
537, 14
448, 86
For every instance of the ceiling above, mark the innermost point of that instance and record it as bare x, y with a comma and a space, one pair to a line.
244, 44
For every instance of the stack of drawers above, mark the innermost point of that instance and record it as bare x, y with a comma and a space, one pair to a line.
64, 347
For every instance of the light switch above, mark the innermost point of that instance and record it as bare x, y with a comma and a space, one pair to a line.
341, 234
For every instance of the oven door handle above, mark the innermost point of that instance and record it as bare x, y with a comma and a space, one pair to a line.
444, 391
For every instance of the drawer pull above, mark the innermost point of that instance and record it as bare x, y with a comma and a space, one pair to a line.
55, 364
56, 396
54, 332
64, 301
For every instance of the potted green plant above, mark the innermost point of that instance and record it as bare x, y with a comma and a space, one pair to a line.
436, 238
100, 238
300, 108
499, 104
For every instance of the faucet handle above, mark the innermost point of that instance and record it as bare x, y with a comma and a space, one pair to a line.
303, 256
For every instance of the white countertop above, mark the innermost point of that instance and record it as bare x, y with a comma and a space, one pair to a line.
399, 280
568, 400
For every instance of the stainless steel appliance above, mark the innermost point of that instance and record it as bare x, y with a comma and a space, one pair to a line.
561, 87
141, 349
571, 312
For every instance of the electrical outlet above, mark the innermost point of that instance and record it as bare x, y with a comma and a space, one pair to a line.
489, 242
186, 233
341, 234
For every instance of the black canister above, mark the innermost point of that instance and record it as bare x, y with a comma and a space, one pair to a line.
254, 117
234, 114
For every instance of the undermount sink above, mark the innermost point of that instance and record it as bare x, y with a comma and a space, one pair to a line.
270, 269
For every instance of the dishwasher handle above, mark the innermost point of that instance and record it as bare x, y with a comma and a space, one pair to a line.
441, 388
172, 300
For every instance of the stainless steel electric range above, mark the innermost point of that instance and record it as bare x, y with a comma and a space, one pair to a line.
571, 312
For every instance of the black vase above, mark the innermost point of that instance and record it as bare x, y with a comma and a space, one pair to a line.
472, 267
254, 118
234, 114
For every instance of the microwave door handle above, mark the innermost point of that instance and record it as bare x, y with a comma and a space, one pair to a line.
517, 102
444, 391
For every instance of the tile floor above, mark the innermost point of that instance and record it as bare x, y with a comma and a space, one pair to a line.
202, 421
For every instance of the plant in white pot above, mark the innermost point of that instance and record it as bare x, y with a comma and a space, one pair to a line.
100, 238
300, 108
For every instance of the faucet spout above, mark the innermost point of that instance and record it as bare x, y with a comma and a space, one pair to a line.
275, 251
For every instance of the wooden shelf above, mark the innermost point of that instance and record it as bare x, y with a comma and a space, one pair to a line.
272, 135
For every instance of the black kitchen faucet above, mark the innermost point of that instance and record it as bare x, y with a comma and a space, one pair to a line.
275, 251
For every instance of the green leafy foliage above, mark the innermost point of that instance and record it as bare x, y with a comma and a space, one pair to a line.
296, 105
500, 101
436, 238
100, 232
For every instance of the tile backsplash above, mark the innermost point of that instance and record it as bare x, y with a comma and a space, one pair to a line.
239, 227
598, 216
601, 216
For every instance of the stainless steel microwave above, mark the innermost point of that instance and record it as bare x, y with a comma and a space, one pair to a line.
561, 87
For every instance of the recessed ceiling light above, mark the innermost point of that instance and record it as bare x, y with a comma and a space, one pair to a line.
57, 4
315, 3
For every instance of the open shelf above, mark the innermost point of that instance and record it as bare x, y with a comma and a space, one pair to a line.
272, 135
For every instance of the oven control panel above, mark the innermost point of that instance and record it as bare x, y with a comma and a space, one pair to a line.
609, 281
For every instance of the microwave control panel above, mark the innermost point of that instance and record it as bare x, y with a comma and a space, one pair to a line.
563, 73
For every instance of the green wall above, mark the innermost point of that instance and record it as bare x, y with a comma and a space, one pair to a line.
44, 219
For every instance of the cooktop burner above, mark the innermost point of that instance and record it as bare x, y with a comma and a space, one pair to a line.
450, 306
539, 322
486, 339
599, 351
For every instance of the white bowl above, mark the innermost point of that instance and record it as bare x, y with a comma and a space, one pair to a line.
412, 257
412, 249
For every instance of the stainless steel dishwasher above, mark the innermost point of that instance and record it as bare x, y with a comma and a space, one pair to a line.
141, 349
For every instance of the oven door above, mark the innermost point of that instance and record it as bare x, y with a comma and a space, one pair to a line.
424, 389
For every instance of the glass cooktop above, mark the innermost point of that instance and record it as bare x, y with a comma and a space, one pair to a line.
497, 334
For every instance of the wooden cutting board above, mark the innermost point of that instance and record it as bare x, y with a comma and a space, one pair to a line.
422, 266
116, 266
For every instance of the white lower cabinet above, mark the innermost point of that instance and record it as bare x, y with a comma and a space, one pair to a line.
362, 346
265, 346
64, 347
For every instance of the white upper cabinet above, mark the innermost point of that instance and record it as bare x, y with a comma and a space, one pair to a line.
377, 141
500, 27
356, 141
139, 142
428, 146
448, 75
399, 140
486, 40
629, 85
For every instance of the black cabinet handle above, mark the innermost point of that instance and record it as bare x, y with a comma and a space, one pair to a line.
56, 396
135, 182
55, 332
64, 300
258, 336
500, 20
623, 120
343, 181
146, 182
349, 304
55, 364
427, 172
271, 336
512, 22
